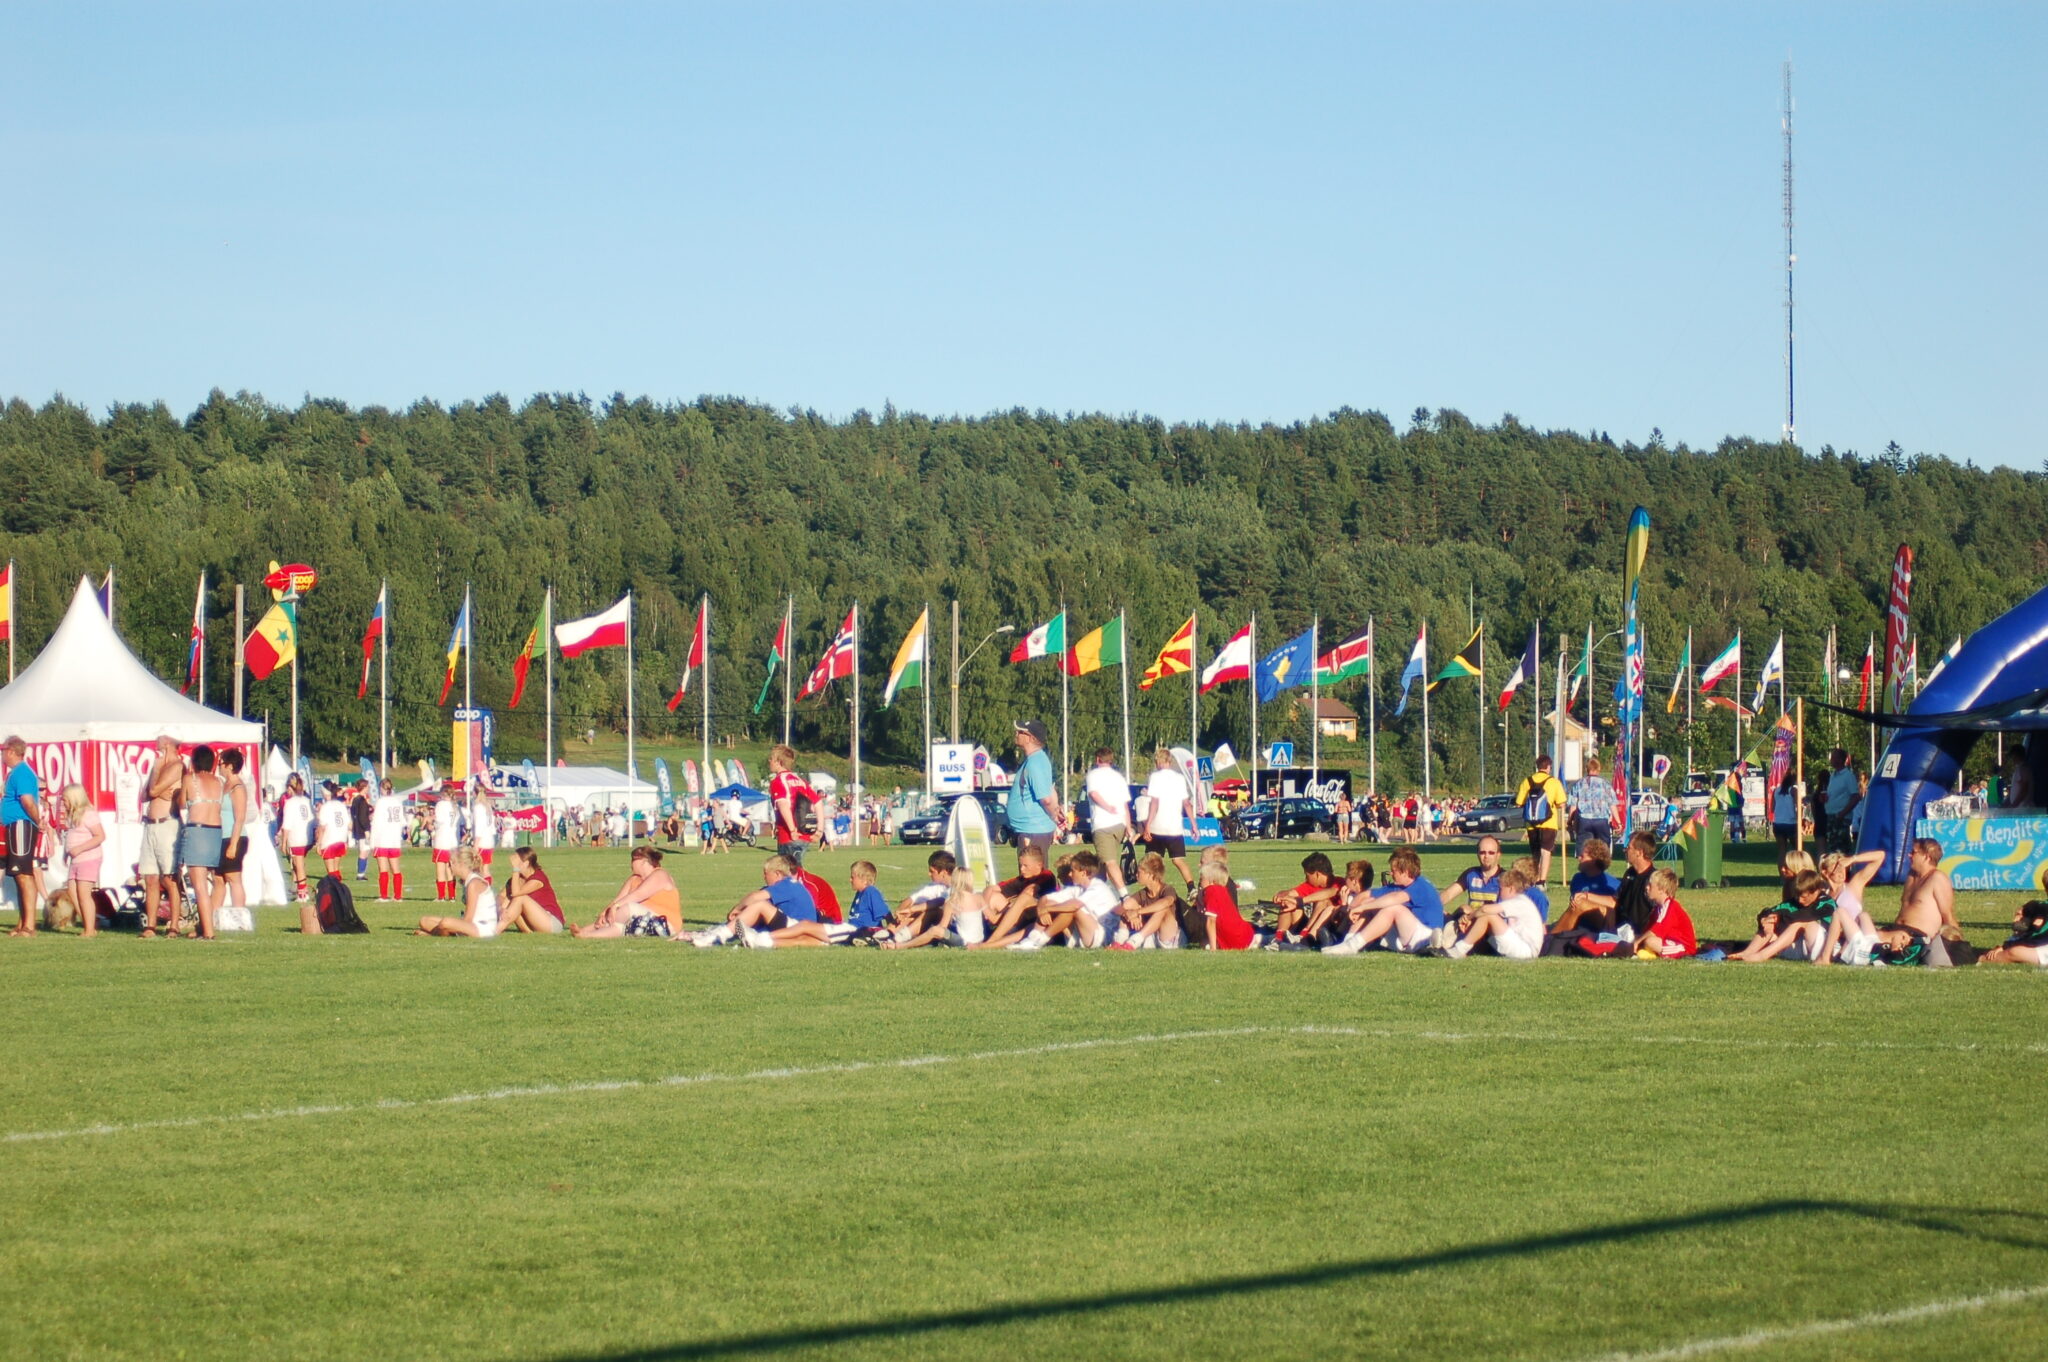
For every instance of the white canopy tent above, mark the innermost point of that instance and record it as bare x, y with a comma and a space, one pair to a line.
91, 714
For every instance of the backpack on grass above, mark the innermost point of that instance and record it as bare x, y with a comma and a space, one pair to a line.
336, 907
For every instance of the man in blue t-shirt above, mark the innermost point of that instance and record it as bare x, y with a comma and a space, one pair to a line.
1033, 806
21, 815
781, 900
1403, 914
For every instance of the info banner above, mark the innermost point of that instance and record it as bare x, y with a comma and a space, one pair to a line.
1992, 853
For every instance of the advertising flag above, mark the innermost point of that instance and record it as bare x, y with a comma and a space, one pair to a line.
6, 602
1176, 658
1287, 666
1897, 629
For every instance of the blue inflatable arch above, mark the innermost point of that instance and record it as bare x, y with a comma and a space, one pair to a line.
2006, 660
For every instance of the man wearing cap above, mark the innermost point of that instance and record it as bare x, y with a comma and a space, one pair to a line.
1034, 807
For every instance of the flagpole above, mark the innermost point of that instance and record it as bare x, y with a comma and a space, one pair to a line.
1066, 733
924, 683
1422, 826
788, 645
1315, 722
1372, 711
1123, 634
13, 626
853, 794
1479, 702
705, 614
297, 653
1536, 715
200, 612
1558, 713
384, 682
629, 721
1687, 777
547, 750
1252, 638
1195, 694
238, 648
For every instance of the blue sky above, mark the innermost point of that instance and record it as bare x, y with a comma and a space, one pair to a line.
1200, 212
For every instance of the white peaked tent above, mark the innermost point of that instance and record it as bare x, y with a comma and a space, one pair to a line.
91, 713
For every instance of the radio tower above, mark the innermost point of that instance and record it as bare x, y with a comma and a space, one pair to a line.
1791, 425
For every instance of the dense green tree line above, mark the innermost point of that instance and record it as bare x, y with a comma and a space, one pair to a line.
1015, 513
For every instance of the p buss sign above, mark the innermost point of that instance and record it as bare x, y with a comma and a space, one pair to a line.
951, 768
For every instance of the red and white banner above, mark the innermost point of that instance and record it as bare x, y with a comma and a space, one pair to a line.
534, 819
1897, 628
607, 630
1234, 663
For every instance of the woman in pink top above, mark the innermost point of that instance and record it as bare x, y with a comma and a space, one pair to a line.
85, 843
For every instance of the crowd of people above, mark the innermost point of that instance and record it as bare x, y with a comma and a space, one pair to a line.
1131, 887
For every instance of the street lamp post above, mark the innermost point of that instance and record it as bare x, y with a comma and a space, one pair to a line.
953, 725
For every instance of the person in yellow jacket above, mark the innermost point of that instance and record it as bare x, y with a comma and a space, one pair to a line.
1541, 799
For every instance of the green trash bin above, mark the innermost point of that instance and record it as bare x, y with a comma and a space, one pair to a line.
1700, 864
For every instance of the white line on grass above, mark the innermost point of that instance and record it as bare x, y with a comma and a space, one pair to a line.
925, 1061
1822, 1327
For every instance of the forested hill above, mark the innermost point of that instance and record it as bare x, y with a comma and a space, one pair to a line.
1015, 513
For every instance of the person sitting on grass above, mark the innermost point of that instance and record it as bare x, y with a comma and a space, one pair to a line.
648, 904
479, 901
1404, 913
1478, 885
1595, 874
781, 900
1596, 909
530, 904
1852, 932
1011, 907
1150, 911
1227, 930
926, 917
1669, 935
1080, 910
1510, 922
1796, 927
1790, 866
868, 916
1318, 890
1330, 918
2028, 944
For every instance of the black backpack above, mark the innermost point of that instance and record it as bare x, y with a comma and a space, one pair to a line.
336, 907
803, 809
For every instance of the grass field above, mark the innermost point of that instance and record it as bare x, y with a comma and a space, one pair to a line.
386, 1147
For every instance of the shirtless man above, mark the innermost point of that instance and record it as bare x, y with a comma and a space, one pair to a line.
1928, 905
159, 862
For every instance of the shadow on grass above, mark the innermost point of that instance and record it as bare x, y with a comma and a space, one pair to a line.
2013, 1229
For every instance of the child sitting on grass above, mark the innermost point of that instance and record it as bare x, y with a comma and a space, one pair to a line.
870, 912
1010, 907
1670, 935
1227, 930
1150, 912
926, 917
1795, 928
1079, 911
1511, 921
1312, 898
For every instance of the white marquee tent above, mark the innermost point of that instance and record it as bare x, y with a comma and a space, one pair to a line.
91, 713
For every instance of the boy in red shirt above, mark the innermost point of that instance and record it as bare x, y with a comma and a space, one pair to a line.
1228, 931
1316, 892
1669, 935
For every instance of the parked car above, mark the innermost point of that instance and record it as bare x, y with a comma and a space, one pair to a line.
928, 827
1494, 813
1292, 817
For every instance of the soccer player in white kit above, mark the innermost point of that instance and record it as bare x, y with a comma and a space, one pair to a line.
483, 832
447, 837
335, 829
295, 825
387, 840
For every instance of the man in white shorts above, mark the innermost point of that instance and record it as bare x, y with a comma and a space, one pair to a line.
159, 864
1166, 819
1109, 812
